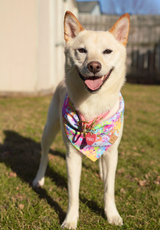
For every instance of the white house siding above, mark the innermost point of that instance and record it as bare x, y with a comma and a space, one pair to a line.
96, 10
46, 45
31, 45
18, 43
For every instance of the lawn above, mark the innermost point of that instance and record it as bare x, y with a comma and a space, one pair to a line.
137, 189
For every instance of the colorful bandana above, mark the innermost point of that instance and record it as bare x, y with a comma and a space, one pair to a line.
106, 131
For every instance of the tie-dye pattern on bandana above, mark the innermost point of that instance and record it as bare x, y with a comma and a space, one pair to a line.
106, 131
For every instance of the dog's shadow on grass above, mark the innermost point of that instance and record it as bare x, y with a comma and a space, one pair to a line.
22, 155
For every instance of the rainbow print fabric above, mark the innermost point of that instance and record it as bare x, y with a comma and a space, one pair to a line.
103, 130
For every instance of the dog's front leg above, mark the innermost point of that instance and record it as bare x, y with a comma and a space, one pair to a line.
109, 165
74, 164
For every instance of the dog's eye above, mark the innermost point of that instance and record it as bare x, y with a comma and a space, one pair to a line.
82, 50
107, 51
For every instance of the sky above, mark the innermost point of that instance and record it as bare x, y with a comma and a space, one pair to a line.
143, 7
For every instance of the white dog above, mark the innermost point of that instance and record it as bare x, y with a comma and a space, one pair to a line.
88, 107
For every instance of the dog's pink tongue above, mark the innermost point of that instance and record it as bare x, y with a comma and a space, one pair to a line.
93, 84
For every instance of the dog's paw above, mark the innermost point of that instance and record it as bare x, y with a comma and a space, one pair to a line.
38, 183
69, 225
115, 219
70, 221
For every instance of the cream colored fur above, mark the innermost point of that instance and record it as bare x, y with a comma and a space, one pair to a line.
90, 106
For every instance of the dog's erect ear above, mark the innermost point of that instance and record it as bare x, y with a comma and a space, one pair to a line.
72, 26
120, 30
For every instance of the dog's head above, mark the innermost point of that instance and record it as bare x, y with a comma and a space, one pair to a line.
95, 59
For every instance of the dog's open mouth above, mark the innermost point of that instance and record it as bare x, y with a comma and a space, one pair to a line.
94, 83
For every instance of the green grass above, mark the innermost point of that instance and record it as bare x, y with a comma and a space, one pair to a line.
137, 189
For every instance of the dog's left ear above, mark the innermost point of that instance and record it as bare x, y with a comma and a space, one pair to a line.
120, 30
72, 26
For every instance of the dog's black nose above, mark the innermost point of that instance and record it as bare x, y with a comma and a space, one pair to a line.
94, 66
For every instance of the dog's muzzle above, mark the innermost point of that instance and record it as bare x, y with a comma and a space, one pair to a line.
94, 83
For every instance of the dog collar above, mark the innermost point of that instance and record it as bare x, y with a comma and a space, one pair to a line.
96, 139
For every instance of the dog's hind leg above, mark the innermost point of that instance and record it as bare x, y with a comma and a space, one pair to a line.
50, 130
101, 168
